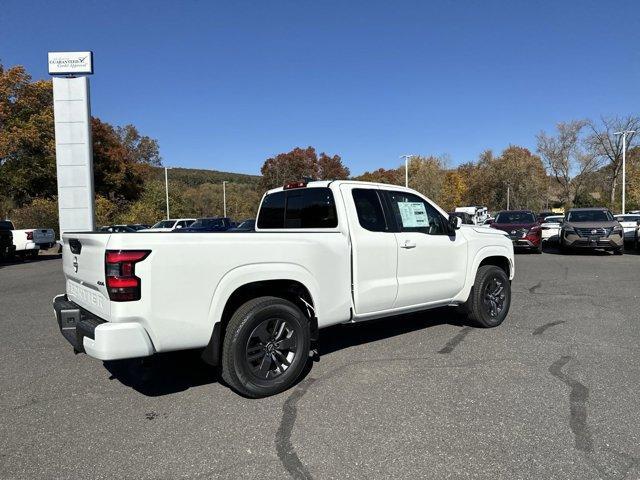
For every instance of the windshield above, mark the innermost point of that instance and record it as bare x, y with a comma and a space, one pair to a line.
515, 217
628, 218
207, 222
164, 224
590, 216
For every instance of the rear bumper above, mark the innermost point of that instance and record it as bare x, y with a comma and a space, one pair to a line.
98, 338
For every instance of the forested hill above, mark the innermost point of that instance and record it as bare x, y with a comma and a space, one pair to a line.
194, 177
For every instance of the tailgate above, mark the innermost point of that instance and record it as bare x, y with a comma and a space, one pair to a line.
83, 264
43, 235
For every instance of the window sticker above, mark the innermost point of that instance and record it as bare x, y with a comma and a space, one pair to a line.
413, 214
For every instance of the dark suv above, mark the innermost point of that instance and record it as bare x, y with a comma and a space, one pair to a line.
7, 248
522, 227
591, 228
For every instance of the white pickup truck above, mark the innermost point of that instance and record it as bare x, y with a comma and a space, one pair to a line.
323, 253
29, 241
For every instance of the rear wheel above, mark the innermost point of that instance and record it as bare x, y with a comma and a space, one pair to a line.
266, 347
490, 297
619, 251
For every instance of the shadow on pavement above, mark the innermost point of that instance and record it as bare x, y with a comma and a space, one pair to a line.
167, 373
20, 260
163, 373
555, 250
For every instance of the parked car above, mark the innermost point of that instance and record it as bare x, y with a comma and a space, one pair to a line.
591, 228
170, 225
551, 227
7, 248
139, 226
544, 214
630, 223
464, 216
118, 229
478, 214
246, 226
324, 253
219, 224
29, 241
522, 228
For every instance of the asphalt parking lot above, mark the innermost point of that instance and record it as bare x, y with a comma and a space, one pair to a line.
552, 393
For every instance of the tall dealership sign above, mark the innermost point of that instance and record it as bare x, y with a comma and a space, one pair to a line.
74, 153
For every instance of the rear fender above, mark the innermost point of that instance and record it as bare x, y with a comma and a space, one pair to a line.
238, 277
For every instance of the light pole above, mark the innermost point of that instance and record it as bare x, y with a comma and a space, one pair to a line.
166, 190
406, 169
508, 194
224, 197
624, 164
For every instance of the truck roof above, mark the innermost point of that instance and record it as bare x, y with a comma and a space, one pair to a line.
326, 183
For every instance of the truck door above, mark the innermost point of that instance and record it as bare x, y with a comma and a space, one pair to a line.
374, 249
431, 264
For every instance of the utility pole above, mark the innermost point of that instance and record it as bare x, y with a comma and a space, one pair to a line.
224, 197
624, 134
406, 169
166, 190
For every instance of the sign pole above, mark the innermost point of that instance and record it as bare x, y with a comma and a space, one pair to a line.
74, 148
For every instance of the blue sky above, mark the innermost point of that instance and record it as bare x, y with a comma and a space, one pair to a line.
224, 85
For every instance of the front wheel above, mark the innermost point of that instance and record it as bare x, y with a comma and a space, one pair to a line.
266, 347
490, 297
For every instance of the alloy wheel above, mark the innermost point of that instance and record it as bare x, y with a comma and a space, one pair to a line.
271, 348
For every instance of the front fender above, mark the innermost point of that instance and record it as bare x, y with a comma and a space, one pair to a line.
483, 253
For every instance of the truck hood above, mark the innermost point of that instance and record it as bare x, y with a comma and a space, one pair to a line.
485, 230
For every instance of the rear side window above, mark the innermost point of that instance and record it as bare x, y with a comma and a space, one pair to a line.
299, 208
369, 209
4, 225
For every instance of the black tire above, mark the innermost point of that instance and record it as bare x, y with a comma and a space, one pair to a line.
538, 249
254, 328
563, 248
479, 306
619, 251
636, 243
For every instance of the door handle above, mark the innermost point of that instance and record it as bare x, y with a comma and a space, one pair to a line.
408, 244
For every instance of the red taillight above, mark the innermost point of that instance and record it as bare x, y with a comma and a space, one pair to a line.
122, 283
29, 235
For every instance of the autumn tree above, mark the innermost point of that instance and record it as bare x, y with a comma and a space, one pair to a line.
300, 163
121, 160
454, 190
392, 176
27, 146
516, 170
567, 158
606, 145
426, 175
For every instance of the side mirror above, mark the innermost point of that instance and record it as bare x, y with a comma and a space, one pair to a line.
454, 223
489, 221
